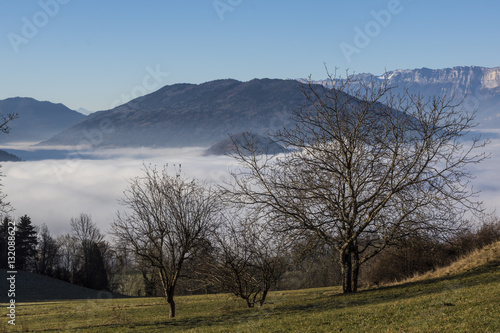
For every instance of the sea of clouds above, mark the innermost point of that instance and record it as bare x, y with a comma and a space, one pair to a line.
53, 191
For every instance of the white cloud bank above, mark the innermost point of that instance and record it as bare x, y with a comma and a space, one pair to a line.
53, 191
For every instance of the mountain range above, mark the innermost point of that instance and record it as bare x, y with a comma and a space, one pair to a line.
189, 115
203, 114
478, 87
37, 120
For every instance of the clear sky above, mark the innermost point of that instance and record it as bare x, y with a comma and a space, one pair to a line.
96, 54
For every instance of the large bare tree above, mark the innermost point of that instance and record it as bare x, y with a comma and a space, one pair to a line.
366, 167
166, 220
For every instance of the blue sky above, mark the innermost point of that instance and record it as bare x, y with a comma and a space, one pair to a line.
96, 54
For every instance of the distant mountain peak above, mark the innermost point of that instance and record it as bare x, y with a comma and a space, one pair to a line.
84, 111
38, 120
192, 114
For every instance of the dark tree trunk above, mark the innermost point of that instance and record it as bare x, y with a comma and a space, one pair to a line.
346, 262
350, 268
355, 272
171, 303
249, 303
263, 299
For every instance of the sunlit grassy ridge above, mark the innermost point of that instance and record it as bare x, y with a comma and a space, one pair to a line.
489, 256
465, 297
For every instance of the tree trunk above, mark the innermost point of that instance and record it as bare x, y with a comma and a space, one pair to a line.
350, 268
168, 290
171, 303
355, 272
346, 264
249, 303
263, 299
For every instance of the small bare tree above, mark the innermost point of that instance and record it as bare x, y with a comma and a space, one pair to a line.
85, 231
5, 119
48, 252
91, 249
247, 260
366, 167
168, 217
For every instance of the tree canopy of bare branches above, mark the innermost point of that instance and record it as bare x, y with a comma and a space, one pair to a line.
366, 167
167, 219
247, 259
91, 249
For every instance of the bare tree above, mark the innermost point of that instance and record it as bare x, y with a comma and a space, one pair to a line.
366, 167
68, 253
85, 231
47, 256
5, 119
91, 268
167, 218
247, 260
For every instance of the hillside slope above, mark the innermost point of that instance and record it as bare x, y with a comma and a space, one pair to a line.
489, 256
35, 288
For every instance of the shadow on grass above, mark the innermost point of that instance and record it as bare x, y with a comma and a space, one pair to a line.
478, 276
31, 287
481, 275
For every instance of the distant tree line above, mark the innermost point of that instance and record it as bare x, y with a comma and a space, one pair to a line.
303, 264
81, 257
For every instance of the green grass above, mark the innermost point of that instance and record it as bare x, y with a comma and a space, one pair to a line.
465, 301
468, 302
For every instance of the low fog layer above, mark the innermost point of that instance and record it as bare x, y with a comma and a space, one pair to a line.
53, 191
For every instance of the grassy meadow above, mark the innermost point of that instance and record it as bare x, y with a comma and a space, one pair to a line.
464, 297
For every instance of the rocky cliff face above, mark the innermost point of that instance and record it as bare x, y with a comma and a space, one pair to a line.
478, 86
456, 80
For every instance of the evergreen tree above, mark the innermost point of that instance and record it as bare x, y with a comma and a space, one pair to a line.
26, 244
97, 277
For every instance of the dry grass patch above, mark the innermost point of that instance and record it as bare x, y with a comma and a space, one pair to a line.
489, 255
